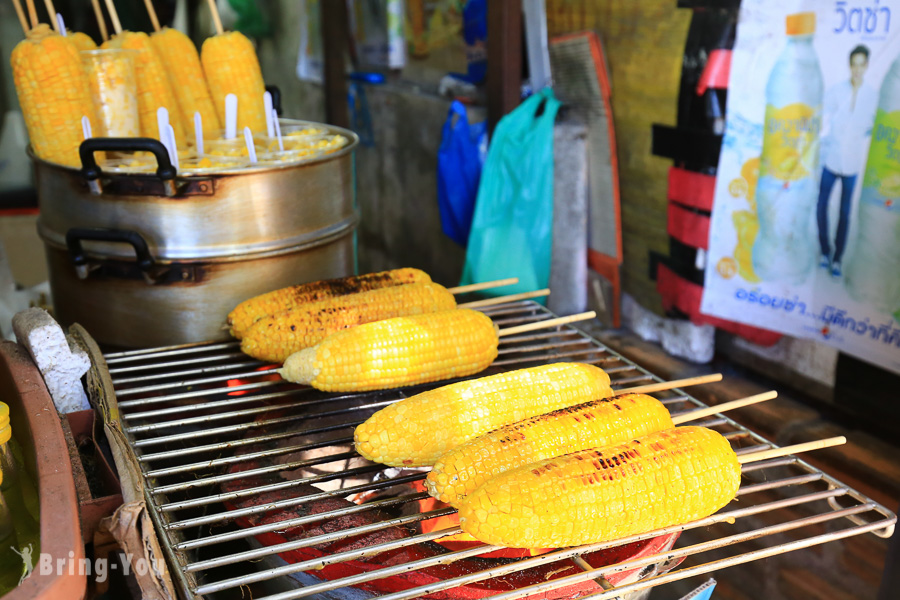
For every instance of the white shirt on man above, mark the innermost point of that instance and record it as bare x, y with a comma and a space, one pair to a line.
847, 127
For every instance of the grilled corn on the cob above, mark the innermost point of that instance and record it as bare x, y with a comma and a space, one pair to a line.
591, 425
54, 94
249, 311
182, 64
275, 337
153, 87
666, 478
397, 352
418, 430
231, 67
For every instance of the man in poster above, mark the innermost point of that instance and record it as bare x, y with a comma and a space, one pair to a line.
848, 115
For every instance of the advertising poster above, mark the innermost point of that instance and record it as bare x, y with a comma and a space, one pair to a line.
805, 232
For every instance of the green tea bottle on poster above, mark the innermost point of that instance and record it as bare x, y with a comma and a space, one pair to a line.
787, 189
872, 274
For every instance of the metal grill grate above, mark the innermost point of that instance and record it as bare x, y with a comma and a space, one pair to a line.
248, 479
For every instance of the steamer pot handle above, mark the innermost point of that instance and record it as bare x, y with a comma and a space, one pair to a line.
91, 171
76, 235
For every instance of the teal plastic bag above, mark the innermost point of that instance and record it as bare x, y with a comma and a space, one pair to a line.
513, 222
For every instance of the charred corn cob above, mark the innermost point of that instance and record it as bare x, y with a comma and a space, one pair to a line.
153, 87
665, 478
276, 337
54, 94
81, 41
418, 430
271, 303
397, 352
182, 64
591, 425
231, 67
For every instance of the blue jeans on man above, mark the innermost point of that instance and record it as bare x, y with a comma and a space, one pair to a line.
833, 261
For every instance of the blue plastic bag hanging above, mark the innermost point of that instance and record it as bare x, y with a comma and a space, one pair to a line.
512, 227
460, 158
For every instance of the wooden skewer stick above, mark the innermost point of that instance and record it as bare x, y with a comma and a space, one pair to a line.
795, 449
547, 323
720, 408
154, 20
32, 13
505, 299
101, 21
216, 18
484, 285
114, 16
670, 385
51, 11
21, 14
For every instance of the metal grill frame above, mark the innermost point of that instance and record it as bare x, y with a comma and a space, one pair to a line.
200, 373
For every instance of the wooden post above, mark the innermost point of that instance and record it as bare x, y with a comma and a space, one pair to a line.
504, 65
335, 30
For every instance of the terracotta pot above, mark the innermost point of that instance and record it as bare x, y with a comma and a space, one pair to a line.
37, 428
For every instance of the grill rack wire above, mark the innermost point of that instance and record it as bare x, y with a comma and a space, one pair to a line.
199, 417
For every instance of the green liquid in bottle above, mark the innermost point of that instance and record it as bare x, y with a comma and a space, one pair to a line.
12, 563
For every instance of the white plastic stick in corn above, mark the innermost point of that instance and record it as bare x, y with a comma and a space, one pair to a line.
267, 105
162, 120
173, 146
277, 130
231, 108
251, 149
61, 25
86, 127
198, 132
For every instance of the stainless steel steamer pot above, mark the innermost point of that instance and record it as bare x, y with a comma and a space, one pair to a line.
160, 259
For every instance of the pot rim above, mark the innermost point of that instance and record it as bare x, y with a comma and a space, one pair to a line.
348, 149
238, 253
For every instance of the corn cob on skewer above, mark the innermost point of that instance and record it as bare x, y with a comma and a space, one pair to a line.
81, 41
418, 430
231, 67
182, 64
248, 312
54, 94
665, 478
590, 425
153, 86
398, 352
275, 337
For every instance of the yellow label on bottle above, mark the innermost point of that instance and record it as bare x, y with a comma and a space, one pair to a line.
883, 165
790, 142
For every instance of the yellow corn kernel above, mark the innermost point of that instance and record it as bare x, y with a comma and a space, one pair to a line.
425, 426
182, 64
276, 337
54, 94
397, 352
81, 41
153, 87
249, 311
665, 478
231, 67
593, 424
